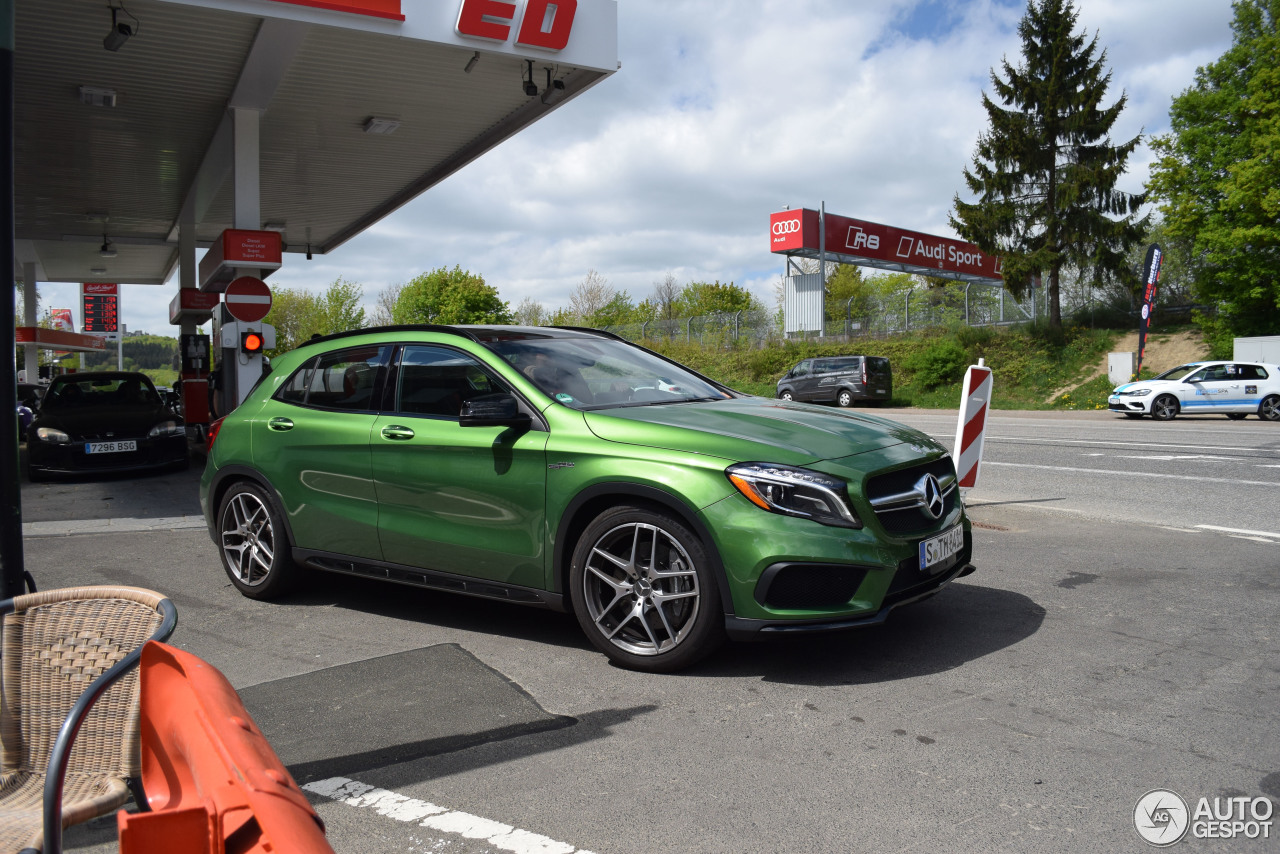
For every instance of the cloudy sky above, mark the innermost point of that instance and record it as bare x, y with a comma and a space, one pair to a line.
724, 112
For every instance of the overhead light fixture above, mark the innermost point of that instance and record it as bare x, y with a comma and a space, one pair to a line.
97, 97
97, 271
120, 32
108, 249
555, 91
471, 63
530, 88
385, 127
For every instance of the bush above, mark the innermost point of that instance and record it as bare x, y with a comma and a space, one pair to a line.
941, 362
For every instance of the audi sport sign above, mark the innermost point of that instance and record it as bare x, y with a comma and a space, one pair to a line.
858, 241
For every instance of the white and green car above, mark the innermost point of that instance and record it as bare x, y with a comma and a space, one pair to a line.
1233, 389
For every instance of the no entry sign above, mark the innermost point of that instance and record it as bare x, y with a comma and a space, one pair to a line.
248, 299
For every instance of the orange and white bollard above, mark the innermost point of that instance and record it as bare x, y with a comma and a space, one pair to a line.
967, 450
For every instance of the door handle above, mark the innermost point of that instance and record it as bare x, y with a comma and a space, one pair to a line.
395, 431
280, 424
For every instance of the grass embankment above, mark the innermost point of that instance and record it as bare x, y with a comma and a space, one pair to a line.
1035, 368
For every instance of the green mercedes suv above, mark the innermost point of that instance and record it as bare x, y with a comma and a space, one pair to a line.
570, 469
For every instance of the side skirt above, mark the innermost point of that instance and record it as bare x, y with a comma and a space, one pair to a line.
430, 579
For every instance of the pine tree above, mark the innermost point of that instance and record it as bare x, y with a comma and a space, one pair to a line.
1046, 170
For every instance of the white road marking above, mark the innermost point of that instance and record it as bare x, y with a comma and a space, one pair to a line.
402, 808
110, 526
1170, 457
1124, 474
1243, 531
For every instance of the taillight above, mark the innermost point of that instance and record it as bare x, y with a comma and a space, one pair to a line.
213, 434
864, 373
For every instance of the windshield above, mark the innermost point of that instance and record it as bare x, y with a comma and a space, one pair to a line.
594, 373
66, 393
1178, 372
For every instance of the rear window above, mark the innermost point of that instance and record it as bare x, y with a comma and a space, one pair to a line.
877, 365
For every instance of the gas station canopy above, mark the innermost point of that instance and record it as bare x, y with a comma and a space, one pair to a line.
123, 130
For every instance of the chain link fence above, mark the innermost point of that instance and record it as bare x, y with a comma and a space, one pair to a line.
910, 310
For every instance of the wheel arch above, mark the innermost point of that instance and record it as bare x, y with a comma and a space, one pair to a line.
596, 499
227, 477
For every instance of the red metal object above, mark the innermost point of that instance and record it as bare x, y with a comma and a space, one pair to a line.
208, 772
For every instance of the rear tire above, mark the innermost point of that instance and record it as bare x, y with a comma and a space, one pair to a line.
644, 591
1269, 409
1164, 408
844, 398
253, 543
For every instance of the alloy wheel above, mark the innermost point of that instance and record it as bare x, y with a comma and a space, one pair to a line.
641, 589
248, 538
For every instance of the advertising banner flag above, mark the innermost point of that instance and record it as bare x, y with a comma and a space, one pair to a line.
1150, 275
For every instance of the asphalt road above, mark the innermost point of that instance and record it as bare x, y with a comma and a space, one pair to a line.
1119, 636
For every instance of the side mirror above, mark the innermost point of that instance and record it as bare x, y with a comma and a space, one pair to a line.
493, 410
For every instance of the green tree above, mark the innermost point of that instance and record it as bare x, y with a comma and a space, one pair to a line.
848, 293
299, 314
1218, 173
1045, 172
701, 298
450, 296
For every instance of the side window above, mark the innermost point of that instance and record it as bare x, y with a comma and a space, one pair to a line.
1199, 376
433, 380
802, 369
344, 380
1250, 372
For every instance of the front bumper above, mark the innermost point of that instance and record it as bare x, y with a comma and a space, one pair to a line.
70, 458
1128, 404
788, 574
744, 629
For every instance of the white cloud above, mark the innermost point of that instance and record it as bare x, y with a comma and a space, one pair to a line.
725, 112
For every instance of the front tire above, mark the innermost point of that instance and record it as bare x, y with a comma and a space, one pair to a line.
1164, 408
786, 395
644, 591
253, 543
1269, 409
844, 398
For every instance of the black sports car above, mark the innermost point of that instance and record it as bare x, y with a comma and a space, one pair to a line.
104, 421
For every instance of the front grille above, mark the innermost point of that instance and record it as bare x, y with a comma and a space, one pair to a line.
899, 505
808, 586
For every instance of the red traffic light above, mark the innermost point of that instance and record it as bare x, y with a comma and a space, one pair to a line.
251, 343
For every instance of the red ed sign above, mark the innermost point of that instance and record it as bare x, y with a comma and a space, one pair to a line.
543, 24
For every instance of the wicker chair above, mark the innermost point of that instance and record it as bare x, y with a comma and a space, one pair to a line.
63, 751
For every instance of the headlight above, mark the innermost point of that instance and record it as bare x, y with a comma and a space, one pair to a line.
166, 428
1140, 392
795, 492
52, 436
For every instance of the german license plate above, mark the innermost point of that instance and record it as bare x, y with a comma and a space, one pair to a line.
940, 549
110, 447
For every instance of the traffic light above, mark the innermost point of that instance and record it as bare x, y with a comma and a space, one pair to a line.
251, 343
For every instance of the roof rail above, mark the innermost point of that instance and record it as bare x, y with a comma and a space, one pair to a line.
403, 327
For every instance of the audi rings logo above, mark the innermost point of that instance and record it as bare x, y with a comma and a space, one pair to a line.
786, 226
931, 499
